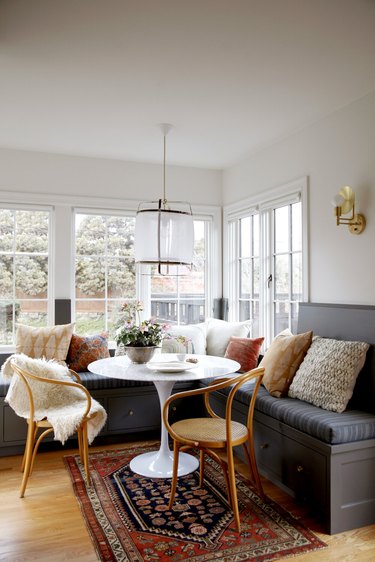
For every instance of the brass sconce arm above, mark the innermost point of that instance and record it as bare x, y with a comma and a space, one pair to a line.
344, 203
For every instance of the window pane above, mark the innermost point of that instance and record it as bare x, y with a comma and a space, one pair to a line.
255, 319
90, 317
282, 277
121, 278
256, 235
245, 279
244, 310
6, 230
245, 226
199, 240
32, 313
296, 277
294, 317
90, 235
282, 229
191, 311
6, 321
165, 310
32, 231
90, 277
31, 276
120, 236
163, 285
297, 227
281, 316
256, 278
113, 316
6, 276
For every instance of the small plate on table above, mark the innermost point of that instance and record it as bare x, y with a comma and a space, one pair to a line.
171, 366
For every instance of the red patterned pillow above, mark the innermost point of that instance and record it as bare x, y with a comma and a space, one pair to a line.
245, 351
85, 349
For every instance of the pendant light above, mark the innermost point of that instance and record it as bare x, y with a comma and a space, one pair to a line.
164, 230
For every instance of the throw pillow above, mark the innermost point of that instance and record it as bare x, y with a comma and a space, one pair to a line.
219, 333
176, 344
245, 351
51, 342
327, 376
194, 333
282, 360
85, 349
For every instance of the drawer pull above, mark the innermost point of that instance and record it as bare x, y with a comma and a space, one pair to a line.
264, 446
300, 468
130, 413
174, 408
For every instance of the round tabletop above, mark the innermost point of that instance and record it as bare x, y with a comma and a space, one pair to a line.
207, 366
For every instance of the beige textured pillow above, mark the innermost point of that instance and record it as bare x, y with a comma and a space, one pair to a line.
282, 360
327, 376
51, 342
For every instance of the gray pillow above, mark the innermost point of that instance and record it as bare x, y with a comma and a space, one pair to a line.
328, 373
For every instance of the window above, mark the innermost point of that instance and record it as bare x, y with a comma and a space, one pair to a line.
106, 276
183, 299
267, 275
104, 270
24, 270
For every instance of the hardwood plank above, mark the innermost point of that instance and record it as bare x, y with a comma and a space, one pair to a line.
47, 523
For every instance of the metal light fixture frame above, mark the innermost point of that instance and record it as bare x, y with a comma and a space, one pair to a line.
175, 215
344, 203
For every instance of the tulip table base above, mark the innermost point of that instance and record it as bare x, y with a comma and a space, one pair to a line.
159, 464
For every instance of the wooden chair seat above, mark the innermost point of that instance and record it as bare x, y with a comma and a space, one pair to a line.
210, 432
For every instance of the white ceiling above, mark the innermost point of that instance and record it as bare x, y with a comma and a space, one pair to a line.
95, 77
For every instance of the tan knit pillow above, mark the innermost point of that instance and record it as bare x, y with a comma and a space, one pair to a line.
329, 372
282, 360
51, 342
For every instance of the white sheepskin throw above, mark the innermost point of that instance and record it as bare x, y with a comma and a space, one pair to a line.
62, 406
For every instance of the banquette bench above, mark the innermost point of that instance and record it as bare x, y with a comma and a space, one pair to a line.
323, 458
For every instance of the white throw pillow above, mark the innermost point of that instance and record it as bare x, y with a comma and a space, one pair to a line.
328, 373
219, 333
194, 333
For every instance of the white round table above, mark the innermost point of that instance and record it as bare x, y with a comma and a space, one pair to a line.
158, 464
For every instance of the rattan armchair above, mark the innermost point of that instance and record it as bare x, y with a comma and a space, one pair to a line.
215, 433
33, 440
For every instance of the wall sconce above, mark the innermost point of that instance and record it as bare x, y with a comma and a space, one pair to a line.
344, 203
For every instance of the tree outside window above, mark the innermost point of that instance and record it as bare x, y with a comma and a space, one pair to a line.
24, 265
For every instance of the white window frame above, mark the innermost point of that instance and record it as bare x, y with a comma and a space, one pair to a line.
4, 204
262, 203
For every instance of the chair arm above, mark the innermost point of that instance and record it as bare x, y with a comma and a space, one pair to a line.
26, 375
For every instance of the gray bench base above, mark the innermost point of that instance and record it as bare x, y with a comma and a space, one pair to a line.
335, 481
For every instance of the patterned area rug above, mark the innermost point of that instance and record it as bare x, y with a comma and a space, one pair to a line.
128, 517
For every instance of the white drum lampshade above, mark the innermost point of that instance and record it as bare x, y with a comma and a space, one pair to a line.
164, 234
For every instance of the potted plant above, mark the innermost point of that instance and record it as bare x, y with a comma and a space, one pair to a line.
139, 339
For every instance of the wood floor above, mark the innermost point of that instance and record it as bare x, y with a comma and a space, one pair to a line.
47, 525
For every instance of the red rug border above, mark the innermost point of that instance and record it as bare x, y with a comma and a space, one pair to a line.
101, 543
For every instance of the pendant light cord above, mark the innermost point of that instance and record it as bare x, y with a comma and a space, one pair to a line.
165, 156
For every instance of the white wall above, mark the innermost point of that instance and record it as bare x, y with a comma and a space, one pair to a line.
338, 150
34, 172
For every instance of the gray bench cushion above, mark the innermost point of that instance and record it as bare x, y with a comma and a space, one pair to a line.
330, 427
91, 382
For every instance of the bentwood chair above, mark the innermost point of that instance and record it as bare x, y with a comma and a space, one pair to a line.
33, 440
214, 433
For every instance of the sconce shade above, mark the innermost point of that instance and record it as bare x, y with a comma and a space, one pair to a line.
164, 233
